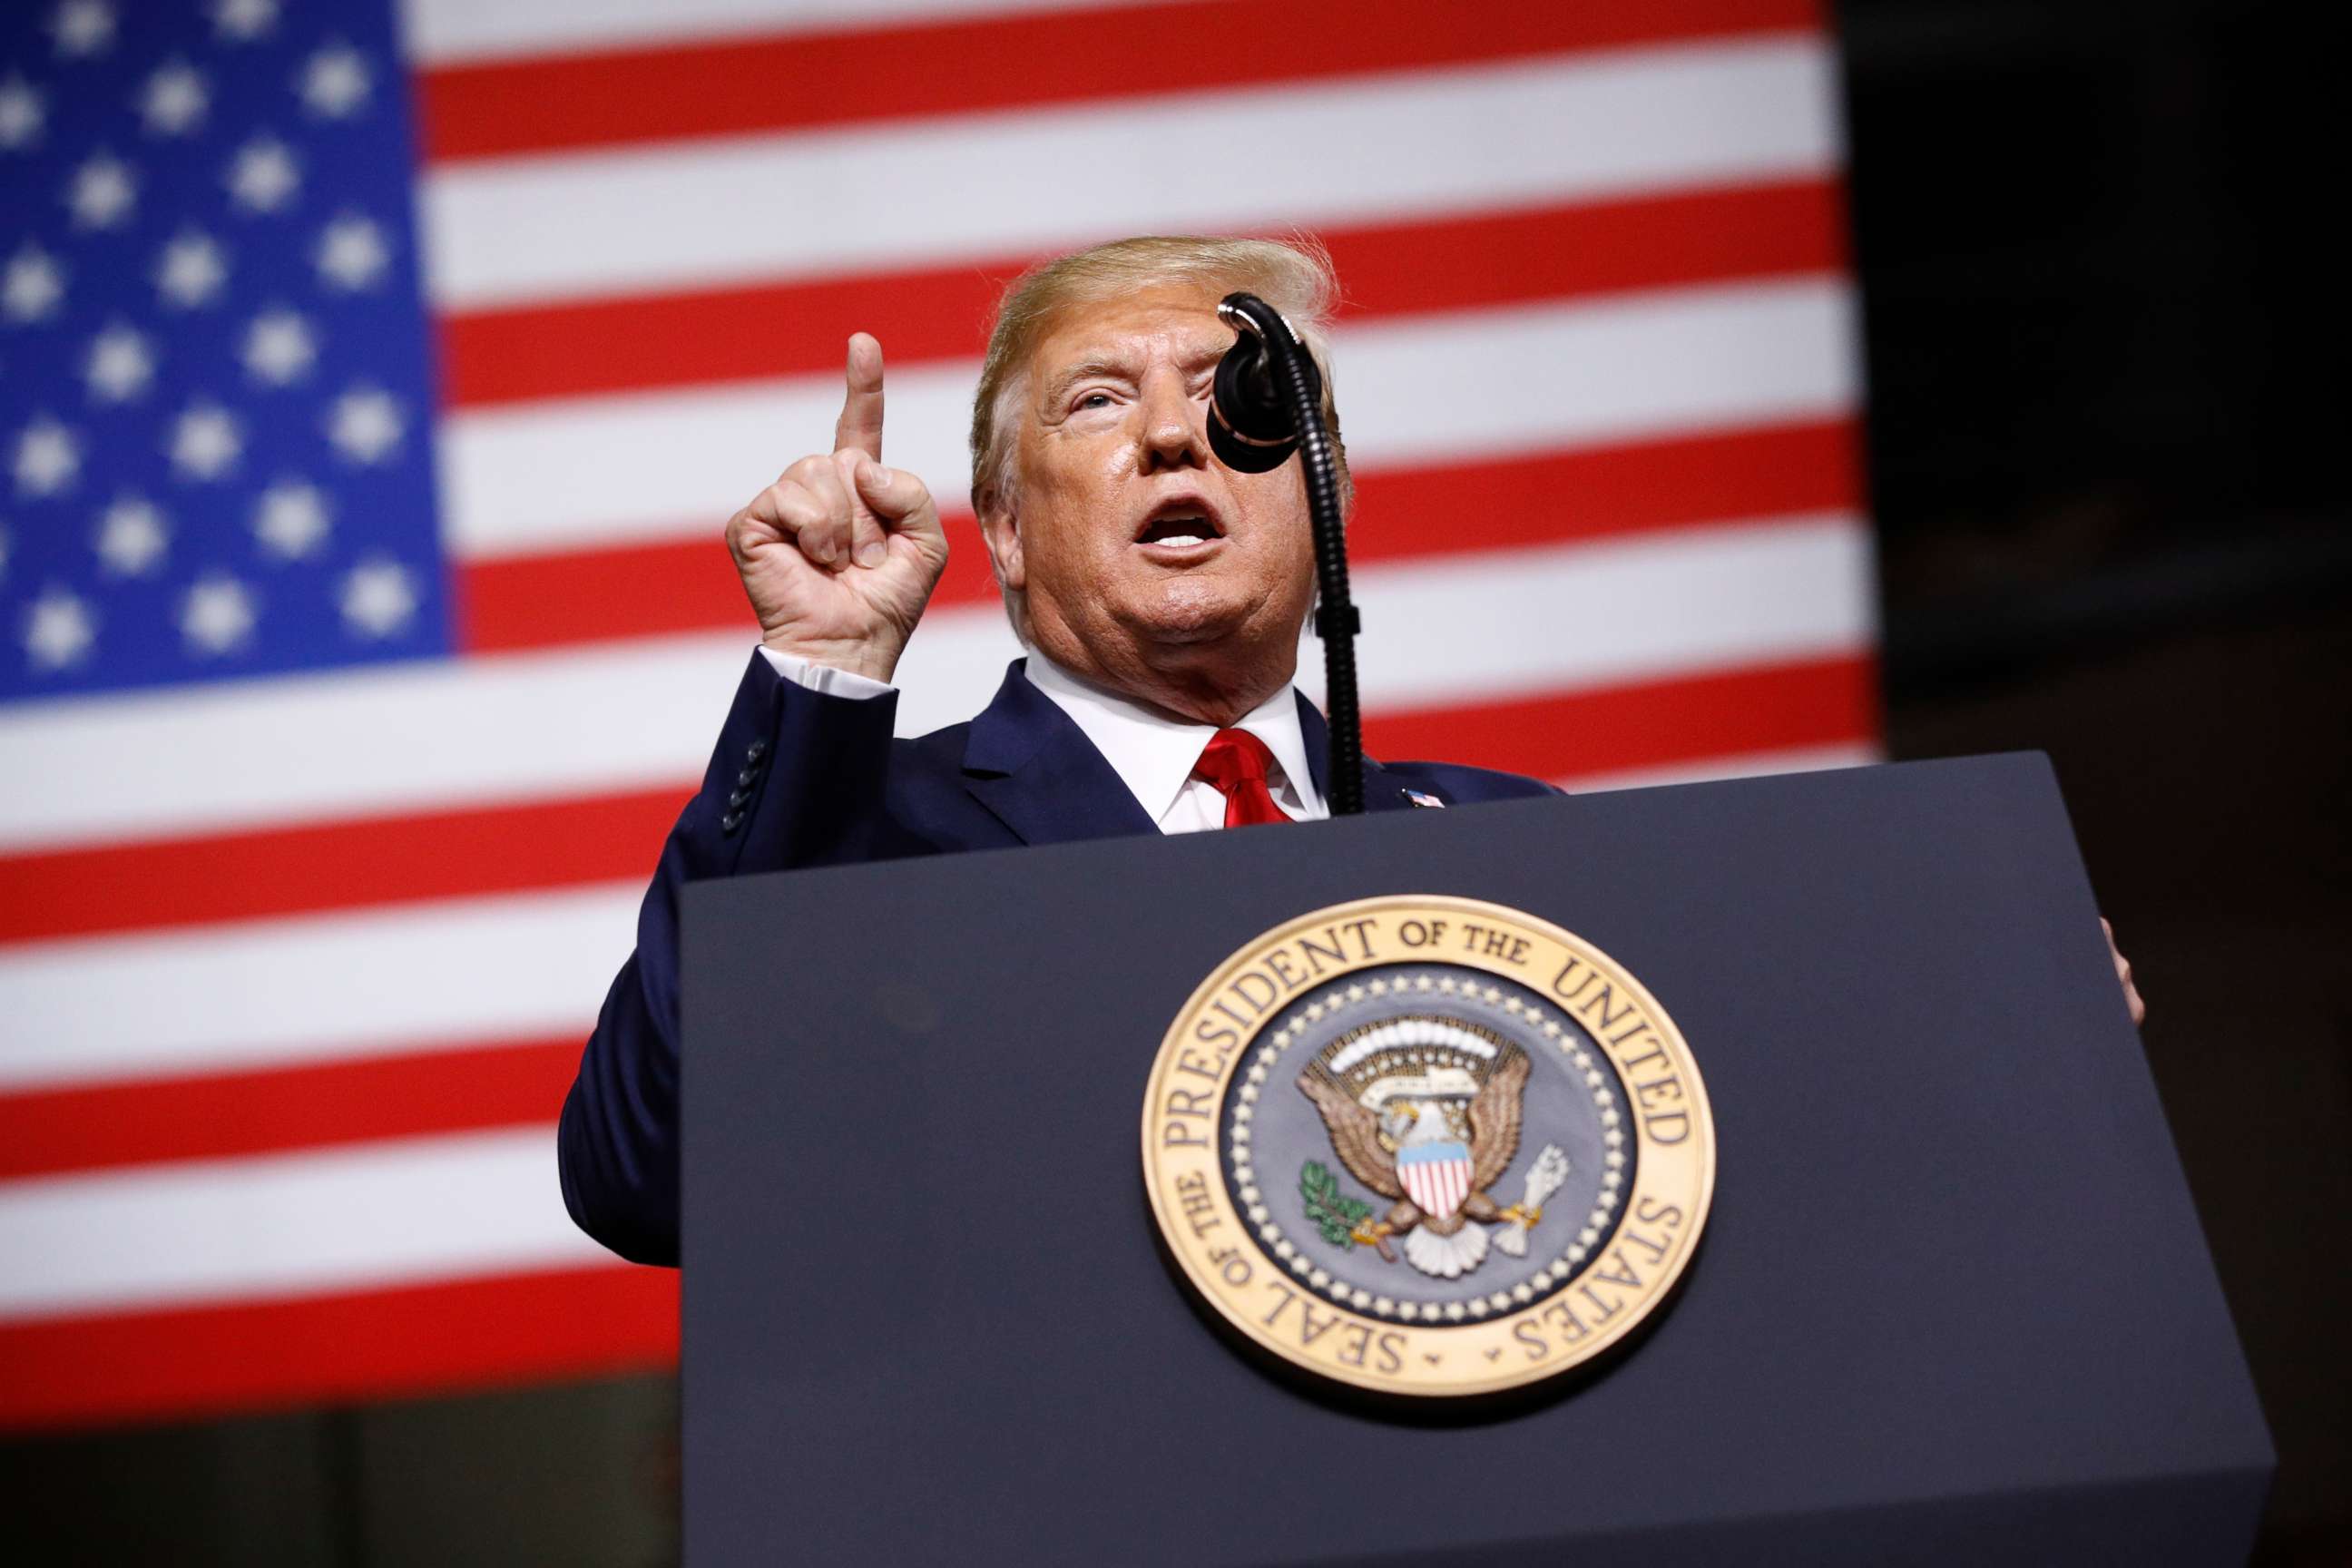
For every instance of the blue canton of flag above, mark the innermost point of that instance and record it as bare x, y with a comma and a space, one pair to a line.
216, 395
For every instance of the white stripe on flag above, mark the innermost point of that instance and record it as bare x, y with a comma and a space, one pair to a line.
574, 473
316, 988
468, 32
1439, 631
382, 1213
544, 227
1483, 628
303, 748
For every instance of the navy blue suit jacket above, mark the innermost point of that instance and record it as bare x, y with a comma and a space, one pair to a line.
802, 780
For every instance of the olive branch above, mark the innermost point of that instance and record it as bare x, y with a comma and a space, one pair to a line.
1333, 1213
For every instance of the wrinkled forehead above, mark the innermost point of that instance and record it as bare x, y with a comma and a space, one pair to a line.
1176, 322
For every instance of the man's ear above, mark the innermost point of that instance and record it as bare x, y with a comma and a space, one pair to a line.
999, 529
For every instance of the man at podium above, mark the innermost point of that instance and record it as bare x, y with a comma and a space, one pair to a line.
1161, 596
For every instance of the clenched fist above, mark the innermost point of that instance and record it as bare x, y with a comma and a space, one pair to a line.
840, 554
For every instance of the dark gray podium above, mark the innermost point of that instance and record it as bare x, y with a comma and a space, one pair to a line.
1952, 1304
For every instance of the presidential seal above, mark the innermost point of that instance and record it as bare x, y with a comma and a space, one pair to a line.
1428, 1146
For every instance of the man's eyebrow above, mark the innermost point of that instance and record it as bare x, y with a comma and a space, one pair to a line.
1093, 366
1206, 354
1201, 359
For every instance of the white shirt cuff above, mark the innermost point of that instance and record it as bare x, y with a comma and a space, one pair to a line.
823, 678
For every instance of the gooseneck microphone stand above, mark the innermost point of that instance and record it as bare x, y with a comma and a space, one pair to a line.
1267, 402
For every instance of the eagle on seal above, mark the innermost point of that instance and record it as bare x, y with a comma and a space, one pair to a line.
1411, 1152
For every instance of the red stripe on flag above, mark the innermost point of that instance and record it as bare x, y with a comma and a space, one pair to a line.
557, 598
1558, 498
155, 1365
593, 595
956, 65
1767, 230
1651, 724
511, 603
1460, 263
269, 1111
287, 870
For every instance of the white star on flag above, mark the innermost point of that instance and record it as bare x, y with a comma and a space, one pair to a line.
291, 519
120, 365
59, 629
379, 598
264, 177
191, 270
217, 616
83, 27
175, 99
279, 347
132, 536
335, 81
365, 424
48, 455
351, 254
20, 113
205, 441
34, 284
103, 191
243, 19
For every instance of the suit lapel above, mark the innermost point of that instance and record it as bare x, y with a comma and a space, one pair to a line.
1036, 771
1381, 792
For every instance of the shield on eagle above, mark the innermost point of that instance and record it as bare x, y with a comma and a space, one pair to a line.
1436, 1176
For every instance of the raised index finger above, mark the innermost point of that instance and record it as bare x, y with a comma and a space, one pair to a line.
860, 424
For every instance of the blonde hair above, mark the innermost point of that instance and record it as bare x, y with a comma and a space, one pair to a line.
1294, 276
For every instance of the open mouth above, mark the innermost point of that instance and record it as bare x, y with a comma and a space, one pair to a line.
1181, 525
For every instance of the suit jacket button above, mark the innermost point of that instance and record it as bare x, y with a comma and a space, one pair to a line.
731, 822
736, 800
757, 749
743, 780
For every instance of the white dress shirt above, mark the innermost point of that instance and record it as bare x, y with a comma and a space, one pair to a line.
1152, 755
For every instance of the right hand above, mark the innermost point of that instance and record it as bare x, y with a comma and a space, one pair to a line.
840, 554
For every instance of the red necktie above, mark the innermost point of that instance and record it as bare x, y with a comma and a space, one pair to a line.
1235, 763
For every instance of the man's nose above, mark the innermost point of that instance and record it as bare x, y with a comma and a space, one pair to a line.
1175, 426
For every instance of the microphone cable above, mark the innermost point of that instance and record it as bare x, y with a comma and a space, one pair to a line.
1267, 402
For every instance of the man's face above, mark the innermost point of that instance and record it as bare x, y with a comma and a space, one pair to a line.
1139, 554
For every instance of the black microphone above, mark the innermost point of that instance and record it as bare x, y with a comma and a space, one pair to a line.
1251, 425
1266, 403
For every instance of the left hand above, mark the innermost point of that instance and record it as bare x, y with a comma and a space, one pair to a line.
2123, 974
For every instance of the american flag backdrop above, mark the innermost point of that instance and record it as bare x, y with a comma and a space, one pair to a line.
374, 383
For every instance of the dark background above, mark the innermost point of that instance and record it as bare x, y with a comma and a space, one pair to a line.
2113, 524
2102, 334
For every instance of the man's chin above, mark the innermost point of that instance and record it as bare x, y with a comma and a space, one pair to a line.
1201, 634
1191, 615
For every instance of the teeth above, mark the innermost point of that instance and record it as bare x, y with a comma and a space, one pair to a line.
1179, 530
